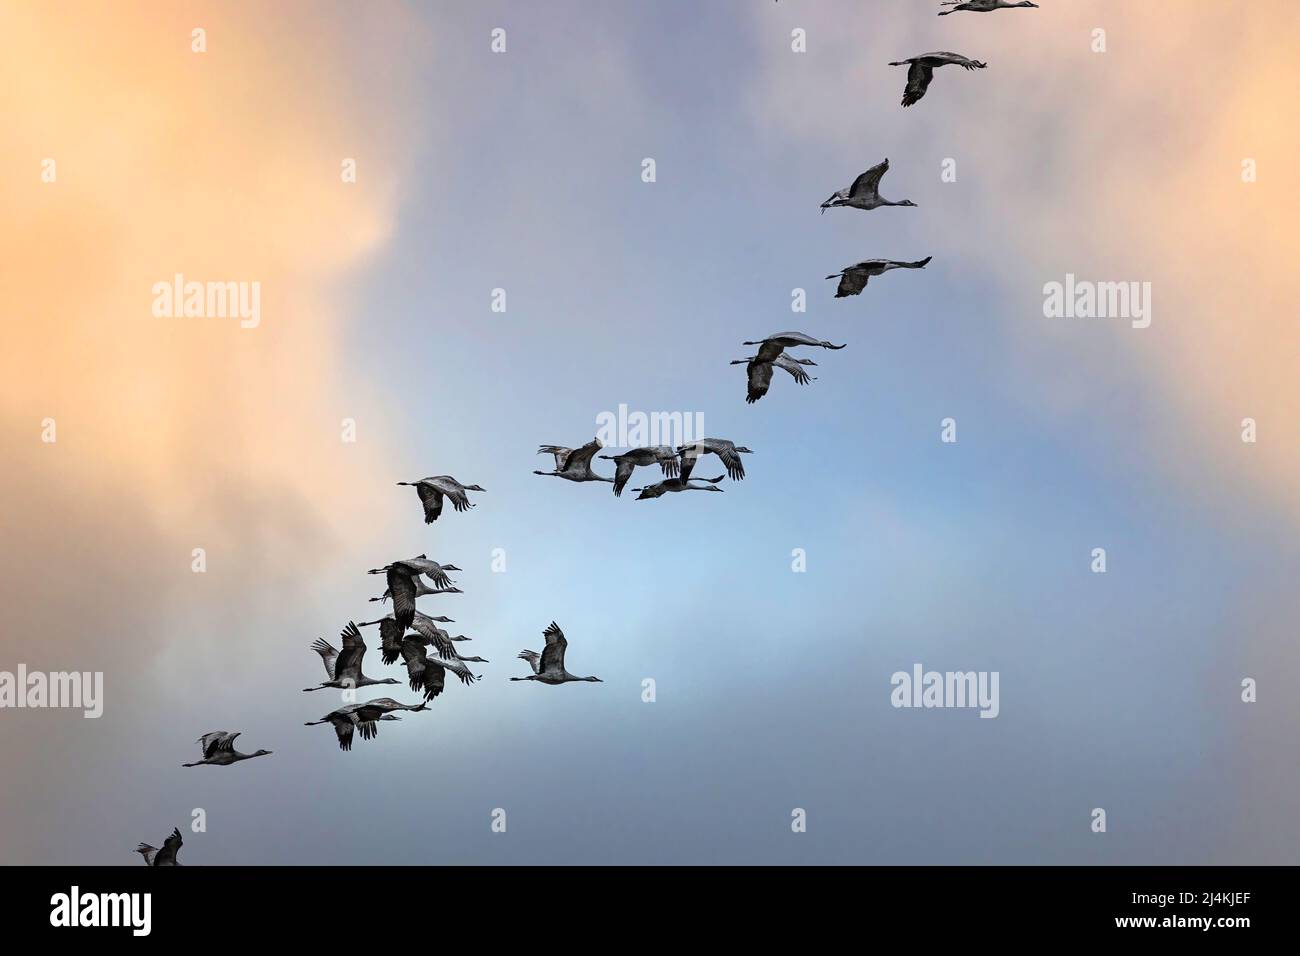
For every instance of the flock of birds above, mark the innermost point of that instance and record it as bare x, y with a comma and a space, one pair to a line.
407, 634
574, 464
429, 652
864, 193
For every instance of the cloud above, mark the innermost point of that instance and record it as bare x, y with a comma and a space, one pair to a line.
177, 433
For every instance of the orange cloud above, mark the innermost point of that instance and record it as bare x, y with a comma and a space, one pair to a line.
221, 166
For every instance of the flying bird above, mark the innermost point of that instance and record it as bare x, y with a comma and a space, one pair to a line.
660, 455
391, 635
428, 674
678, 484
167, 855
921, 71
759, 373
548, 666
401, 577
344, 668
982, 6
864, 193
854, 278
433, 490
219, 750
573, 464
771, 353
364, 718
727, 451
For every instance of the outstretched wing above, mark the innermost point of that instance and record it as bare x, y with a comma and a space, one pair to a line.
366, 718
148, 852
553, 654
417, 664
794, 368
559, 451
457, 667
768, 351
434, 680
534, 660
621, 475
868, 184
434, 635
212, 742
731, 458
668, 461
580, 458
390, 640
431, 497
354, 648
690, 454
760, 379
944, 58
402, 588
438, 576
880, 266
167, 855
343, 727
328, 653
919, 76
852, 282
369, 728
453, 490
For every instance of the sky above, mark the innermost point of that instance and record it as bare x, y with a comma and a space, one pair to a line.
522, 170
